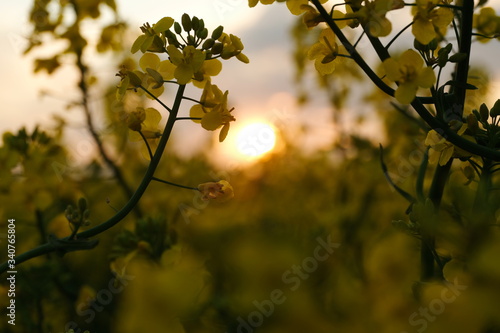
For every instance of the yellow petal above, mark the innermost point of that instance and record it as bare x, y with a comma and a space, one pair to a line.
391, 69
432, 138
211, 120
316, 50
153, 118
252, 3
176, 56
324, 69
423, 31
196, 111
212, 67
426, 78
434, 156
446, 155
163, 24
329, 35
294, 6
380, 27
183, 73
223, 132
243, 58
411, 58
406, 92
442, 17
166, 69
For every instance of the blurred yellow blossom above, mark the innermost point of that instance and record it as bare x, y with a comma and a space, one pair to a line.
372, 14
232, 47
151, 64
187, 62
209, 68
324, 52
220, 191
212, 112
149, 127
487, 23
430, 21
296, 7
409, 73
135, 118
442, 150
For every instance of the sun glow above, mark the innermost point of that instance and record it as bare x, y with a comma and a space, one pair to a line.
255, 139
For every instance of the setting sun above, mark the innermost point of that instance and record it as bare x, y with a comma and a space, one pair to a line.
255, 139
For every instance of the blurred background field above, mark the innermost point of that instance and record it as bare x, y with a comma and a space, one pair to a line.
311, 241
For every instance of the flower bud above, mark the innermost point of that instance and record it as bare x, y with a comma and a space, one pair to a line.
207, 44
495, 110
177, 28
217, 32
472, 123
195, 23
186, 22
484, 112
82, 204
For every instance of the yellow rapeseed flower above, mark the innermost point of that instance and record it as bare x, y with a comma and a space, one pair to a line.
409, 73
324, 52
213, 110
187, 62
220, 191
430, 21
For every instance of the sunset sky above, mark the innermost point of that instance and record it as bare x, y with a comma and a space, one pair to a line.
262, 90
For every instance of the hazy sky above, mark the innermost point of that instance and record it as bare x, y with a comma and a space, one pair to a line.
261, 89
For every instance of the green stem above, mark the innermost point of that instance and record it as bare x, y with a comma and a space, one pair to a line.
129, 206
150, 152
447, 133
188, 118
397, 35
191, 99
427, 249
462, 69
483, 189
174, 184
156, 98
